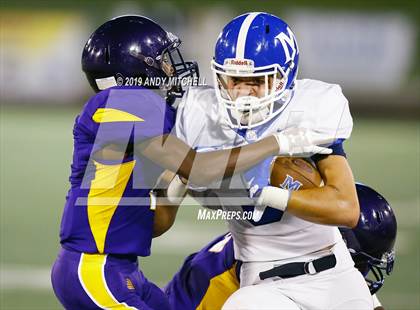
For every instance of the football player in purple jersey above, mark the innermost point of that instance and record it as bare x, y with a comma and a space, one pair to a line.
207, 278
122, 143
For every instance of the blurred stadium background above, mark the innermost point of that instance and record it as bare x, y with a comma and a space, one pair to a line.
371, 48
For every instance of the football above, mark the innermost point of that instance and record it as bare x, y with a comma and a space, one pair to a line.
294, 174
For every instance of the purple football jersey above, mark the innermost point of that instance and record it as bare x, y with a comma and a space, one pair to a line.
107, 208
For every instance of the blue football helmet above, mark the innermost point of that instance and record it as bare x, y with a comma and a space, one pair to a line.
255, 46
128, 49
371, 242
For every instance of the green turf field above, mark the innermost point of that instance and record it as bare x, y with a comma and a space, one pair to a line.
36, 149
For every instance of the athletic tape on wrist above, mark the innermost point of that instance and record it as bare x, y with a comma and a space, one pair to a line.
283, 143
274, 197
176, 190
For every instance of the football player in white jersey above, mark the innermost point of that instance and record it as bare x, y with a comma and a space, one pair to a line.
208, 277
293, 256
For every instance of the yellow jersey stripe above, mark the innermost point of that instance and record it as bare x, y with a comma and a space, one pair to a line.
219, 290
105, 194
91, 272
108, 115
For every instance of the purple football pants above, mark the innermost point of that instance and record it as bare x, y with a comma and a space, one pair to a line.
97, 281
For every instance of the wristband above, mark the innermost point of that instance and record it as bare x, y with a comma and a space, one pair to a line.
176, 190
274, 197
283, 143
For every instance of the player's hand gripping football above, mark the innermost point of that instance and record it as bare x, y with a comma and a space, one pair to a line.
301, 142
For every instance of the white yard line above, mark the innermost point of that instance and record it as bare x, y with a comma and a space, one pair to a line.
24, 277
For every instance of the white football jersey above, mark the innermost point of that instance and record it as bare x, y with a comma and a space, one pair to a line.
313, 104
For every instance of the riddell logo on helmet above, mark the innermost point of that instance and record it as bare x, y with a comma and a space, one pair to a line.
238, 62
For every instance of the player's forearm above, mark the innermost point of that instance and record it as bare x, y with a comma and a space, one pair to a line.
165, 210
325, 205
252, 154
202, 168
210, 166
164, 218
336, 202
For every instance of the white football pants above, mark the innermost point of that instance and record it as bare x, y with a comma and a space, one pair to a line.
342, 287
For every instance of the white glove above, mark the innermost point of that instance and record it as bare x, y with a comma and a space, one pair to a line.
301, 142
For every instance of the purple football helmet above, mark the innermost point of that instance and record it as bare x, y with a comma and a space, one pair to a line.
128, 49
371, 242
